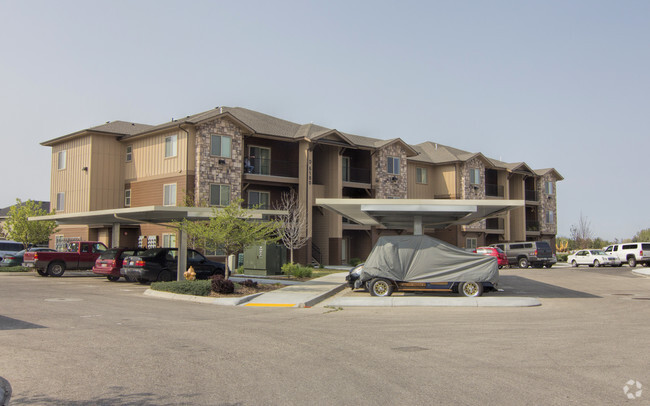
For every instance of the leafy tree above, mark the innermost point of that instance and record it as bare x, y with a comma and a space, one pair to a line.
18, 228
599, 243
293, 229
643, 235
231, 229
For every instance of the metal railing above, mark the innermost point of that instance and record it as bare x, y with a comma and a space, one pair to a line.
358, 175
494, 224
532, 225
531, 195
494, 190
272, 167
316, 254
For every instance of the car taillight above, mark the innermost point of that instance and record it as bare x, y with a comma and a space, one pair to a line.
535, 253
641, 253
138, 263
35, 256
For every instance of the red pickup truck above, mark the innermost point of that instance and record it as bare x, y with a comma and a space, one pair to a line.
80, 255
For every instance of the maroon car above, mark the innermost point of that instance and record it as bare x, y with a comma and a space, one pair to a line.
502, 258
109, 262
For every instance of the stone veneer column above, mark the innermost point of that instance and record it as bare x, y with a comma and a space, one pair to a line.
384, 184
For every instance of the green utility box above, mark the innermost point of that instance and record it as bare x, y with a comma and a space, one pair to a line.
264, 259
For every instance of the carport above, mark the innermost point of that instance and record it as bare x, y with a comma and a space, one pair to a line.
159, 215
418, 214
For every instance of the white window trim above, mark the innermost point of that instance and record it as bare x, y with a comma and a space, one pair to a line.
127, 197
165, 194
171, 237
129, 155
221, 146
59, 154
424, 171
62, 199
210, 197
550, 214
399, 162
551, 186
471, 242
477, 171
256, 163
174, 148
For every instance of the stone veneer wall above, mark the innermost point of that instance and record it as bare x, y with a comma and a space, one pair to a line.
208, 169
468, 189
386, 187
547, 203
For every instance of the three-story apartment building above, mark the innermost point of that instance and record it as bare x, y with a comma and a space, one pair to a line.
227, 153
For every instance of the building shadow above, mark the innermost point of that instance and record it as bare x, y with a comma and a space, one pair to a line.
514, 285
7, 323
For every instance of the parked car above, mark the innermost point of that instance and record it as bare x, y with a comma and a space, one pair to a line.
528, 253
160, 264
110, 262
80, 255
502, 258
419, 263
10, 247
593, 258
631, 253
17, 258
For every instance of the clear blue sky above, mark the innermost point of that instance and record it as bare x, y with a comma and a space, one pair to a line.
551, 83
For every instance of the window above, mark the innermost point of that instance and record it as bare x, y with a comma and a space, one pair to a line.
470, 243
219, 195
169, 195
550, 217
260, 159
421, 175
60, 201
474, 176
169, 240
345, 167
260, 199
61, 160
393, 165
549, 188
220, 145
170, 146
127, 198
129, 153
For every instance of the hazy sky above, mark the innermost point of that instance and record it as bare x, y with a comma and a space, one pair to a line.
561, 84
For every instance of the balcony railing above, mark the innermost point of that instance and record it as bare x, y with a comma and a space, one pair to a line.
531, 195
494, 224
532, 225
268, 167
494, 190
358, 175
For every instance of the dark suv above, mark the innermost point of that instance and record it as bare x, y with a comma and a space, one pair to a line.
160, 264
528, 253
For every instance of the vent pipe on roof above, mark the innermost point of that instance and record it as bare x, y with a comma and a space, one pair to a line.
220, 110
436, 146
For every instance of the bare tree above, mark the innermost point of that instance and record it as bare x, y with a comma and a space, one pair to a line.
293, 230
581, 232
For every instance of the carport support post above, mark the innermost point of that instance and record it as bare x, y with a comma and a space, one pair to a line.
182, 257
417, 225
115, 240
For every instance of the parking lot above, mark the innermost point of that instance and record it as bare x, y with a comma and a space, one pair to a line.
82, 340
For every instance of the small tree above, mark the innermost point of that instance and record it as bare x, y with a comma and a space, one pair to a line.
641, 236
230, 229
293, 224
581, 232
18, 228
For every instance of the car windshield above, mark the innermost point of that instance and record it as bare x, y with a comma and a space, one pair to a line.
597, 252
108, 254
152, 252
499, 250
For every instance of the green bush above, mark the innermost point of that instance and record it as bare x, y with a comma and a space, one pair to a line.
196, 288
355, 261
240, 270
562, 257
297, 271
13, 269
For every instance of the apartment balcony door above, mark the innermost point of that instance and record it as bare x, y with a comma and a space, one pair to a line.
345, 249
261, 161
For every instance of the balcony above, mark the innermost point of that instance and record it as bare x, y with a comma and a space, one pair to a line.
494, 224
272, 170
494, 190
356, 177
531, 195
532, 227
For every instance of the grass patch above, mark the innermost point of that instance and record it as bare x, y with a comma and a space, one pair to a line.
14, 269
317, 273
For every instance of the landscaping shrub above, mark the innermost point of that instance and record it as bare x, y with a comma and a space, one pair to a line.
355, 261
221, 285
296, 270
240, 270
562, 257
249, 283
196, 288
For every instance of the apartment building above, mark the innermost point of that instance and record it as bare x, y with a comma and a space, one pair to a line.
227, 153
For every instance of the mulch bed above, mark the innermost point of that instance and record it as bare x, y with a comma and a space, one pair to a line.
245, 291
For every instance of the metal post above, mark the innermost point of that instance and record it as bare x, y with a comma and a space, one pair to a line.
115, 240
182, 257
417, 225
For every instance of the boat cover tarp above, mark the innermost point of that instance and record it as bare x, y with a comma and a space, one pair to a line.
420, 258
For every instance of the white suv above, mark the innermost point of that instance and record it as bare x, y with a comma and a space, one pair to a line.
633, 253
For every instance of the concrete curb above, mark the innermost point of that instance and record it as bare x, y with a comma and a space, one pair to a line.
434, 302
320, 298
645, 272
223, 301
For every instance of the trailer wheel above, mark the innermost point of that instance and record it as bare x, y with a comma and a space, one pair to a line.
56, 269
381, 287
470, 289
42, 272
113, 278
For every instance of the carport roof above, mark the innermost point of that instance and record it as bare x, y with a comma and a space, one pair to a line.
140, 215
402, 213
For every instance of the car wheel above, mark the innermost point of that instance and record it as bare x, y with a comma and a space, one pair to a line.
113, 278
56, 269
381, 287
631, 261
596, 263
470, 289
164, 276
523, 263
500, 266
549, 266
142, 281
574, 263
42, 272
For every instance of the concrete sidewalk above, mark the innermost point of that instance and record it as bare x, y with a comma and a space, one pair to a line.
305, 294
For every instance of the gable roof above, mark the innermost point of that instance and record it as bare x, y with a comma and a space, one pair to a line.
4, 212
116, 128
542, 172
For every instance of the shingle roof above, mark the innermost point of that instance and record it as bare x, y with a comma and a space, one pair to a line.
4, 212
117, 128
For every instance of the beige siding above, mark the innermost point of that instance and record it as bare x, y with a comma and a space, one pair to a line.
150, 192
444, 180
420, 190
106, 173
149, 157
73, 181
